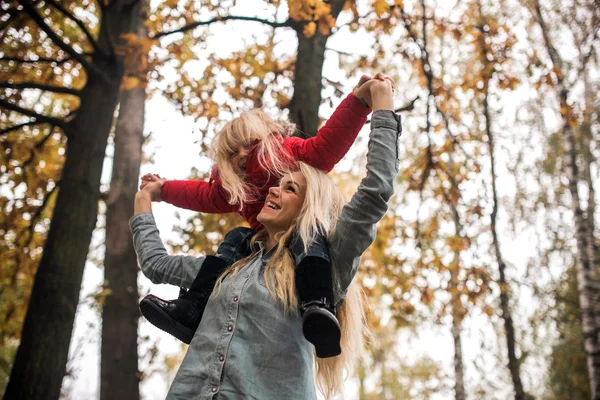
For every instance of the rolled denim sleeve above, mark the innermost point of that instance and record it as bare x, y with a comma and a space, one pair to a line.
156, 263
356, 228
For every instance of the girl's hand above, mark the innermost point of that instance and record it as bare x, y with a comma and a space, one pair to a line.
151, 185
361, 95
149, 178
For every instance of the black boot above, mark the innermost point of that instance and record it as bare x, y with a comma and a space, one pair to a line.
182, 316
314, 284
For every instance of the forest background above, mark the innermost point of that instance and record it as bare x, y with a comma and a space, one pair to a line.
483, 280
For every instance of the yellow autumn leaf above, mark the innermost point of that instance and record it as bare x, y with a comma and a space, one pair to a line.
310, 29
381, 7
130, 82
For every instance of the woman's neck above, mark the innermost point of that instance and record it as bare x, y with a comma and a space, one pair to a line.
270, 242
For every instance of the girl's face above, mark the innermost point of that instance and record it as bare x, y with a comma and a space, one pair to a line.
283, 203
239, 158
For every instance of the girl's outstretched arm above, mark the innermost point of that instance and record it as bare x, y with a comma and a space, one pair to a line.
335, 138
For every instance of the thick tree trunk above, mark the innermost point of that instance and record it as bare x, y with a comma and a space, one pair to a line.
304, 107
509, 330
119, 377
308, 75
40, 362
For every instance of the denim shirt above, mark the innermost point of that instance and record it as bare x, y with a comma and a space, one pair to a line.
246, 346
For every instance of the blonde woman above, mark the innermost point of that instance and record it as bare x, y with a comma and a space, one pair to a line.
251, 154
249, 344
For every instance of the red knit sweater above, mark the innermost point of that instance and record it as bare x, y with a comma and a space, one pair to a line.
323, 151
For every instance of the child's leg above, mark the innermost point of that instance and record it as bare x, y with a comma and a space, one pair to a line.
314, 283
181, 317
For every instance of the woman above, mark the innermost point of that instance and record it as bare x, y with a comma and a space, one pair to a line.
249, 344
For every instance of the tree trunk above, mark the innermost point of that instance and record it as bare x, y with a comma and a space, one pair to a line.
308, 75
304, 107
587, 276
457, 316
509, 329
588, 285
41, 359
119, 375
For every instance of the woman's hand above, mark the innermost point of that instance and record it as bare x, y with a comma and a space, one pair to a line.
149, 178
362, 91
150, 190
153, 184
153, 189
382, 95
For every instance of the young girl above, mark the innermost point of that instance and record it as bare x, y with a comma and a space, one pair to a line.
251, 153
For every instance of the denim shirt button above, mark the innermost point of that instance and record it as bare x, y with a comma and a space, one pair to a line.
235, 298
230, 328
214, 389
221, 358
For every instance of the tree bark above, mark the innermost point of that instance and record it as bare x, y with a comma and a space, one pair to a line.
457, 314
587, 275
119, 375
41, 359
305, 103
509, 329
459, 379
308, 75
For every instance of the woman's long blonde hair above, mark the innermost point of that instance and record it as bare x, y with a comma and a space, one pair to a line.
244, 131
322, 206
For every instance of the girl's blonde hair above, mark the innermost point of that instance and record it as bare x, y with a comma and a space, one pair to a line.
251, 126
322, 206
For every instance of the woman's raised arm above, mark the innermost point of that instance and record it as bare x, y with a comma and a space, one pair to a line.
156, 263
355, 230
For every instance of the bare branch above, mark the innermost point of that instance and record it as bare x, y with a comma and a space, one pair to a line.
19, 126
343, 53
39, 60
36, 216
408, 107
196, 24
40, 86
554, 57
78, 22
30, 113
37, 146
60, 43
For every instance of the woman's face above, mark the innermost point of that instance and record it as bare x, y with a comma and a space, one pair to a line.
283, 203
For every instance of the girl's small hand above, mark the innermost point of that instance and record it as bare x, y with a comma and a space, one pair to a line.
362, 95
149, 178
